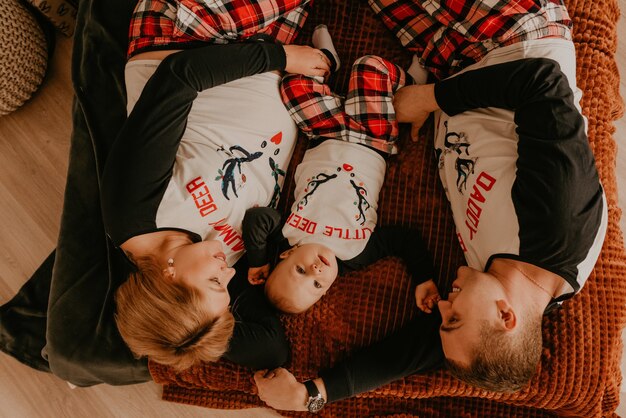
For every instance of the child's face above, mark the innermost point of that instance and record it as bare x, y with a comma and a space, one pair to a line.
476, 297
303, 276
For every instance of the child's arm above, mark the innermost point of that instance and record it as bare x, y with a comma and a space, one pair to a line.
397, 241
427, 296
260, 226
407, 244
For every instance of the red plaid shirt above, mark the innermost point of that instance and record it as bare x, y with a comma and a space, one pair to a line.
162, 24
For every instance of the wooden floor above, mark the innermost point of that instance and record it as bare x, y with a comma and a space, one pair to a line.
34, 143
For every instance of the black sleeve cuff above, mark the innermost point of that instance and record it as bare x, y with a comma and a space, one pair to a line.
447, 95
257, 257
276, 56
337, 383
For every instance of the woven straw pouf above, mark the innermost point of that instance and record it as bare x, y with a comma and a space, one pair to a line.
23, 55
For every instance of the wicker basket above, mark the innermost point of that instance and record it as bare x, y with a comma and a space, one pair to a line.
23, 55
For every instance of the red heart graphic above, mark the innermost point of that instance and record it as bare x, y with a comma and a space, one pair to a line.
276, 139
347, 167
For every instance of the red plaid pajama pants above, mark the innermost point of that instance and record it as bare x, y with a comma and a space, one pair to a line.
449, 35
367, 117
162, 24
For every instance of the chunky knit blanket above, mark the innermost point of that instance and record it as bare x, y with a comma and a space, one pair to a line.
580, 367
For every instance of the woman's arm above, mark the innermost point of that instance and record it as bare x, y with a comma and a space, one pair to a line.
140, 162
258, 340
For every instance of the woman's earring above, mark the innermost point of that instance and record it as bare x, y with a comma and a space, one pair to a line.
170, 268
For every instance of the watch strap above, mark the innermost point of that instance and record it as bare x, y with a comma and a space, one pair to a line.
315, 402
311, 387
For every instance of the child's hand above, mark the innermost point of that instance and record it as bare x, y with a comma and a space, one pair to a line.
305, 60
413, 104
257, 275
427, 296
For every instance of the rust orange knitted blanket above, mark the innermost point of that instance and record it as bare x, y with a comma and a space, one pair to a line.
580, 367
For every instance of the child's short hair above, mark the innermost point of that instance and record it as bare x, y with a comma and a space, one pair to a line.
166, 321
503, 363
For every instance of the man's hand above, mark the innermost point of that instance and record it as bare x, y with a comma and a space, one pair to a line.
279, 389
257, 275
413, 104
306, 60
427, 296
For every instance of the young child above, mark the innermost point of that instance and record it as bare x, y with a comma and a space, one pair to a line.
332, 225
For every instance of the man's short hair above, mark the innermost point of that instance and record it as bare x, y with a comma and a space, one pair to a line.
165, 320
503, 362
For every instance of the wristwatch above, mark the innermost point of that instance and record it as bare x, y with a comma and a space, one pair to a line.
316, 402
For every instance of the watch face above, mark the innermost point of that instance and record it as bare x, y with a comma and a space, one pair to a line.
316, 404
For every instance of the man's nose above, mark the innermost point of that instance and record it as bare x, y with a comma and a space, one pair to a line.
443, 306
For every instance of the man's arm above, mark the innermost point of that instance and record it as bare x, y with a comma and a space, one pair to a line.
415, 348
557, 193
398, 241
534, 88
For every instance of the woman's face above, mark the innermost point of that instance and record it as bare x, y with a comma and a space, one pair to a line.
203, 265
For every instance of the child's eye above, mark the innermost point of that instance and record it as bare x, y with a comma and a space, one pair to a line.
299, 269
216, 280
317, 284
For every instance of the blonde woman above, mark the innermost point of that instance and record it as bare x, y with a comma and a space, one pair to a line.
207, 138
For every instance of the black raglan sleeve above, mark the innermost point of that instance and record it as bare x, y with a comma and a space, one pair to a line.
258, 340
261, 227
416, 348
535, 88
140, 162
398, 241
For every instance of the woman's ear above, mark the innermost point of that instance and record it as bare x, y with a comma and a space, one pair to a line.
286, 253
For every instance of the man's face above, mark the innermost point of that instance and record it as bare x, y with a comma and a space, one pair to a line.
475, 297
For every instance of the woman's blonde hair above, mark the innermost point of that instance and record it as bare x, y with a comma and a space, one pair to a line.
164, 319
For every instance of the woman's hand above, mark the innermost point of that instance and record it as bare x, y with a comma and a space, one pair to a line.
306, 60
413, 104
279, 389
427, 296
257, 275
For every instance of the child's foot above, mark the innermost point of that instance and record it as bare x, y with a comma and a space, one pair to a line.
323, 41
419, 73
